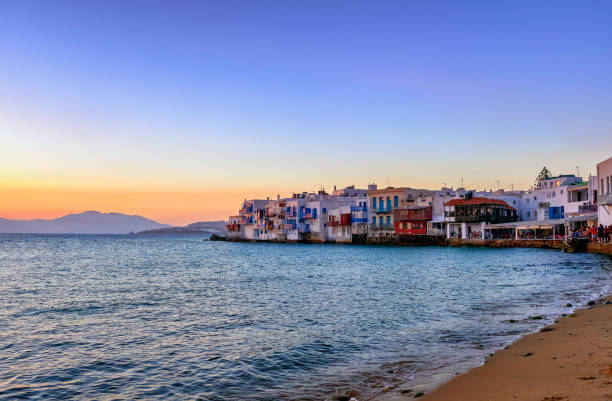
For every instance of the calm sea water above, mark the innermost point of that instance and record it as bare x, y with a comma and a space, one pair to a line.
159, 317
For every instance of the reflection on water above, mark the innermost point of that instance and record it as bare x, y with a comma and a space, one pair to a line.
157, 317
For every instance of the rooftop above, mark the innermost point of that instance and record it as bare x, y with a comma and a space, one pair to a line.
477, 201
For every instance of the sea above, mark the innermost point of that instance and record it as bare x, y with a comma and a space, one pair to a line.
157, 317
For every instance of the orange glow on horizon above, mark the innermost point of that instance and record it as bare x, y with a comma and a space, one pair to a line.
169, 207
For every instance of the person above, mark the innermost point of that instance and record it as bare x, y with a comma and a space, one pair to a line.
600, 233
606, 233
593, 233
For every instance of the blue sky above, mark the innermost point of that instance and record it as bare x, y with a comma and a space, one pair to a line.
278, 96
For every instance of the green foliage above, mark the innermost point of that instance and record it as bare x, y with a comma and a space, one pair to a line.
544, 174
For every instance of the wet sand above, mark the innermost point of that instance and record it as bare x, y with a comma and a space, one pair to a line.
567, 361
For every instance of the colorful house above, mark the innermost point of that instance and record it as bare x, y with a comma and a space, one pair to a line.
412, 220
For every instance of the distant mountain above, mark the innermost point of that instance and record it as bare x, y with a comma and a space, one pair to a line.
201, 227
90, 222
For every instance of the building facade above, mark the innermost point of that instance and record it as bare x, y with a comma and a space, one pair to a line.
467, 217
604, 192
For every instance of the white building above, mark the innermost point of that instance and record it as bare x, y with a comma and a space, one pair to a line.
555, 197
303, 217
604, 192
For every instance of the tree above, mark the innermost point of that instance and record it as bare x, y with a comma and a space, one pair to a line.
544, 174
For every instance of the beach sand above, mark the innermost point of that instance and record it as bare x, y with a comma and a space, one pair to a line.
567, 361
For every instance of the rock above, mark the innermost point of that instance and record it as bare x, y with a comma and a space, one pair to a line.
544, 329
527, 354
341, 397
569, 305
607, 303
591, 303
352, 393
587, 378
419, 394
535, 317
406, 391
511, 321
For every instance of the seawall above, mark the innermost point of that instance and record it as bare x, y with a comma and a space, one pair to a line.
425, 240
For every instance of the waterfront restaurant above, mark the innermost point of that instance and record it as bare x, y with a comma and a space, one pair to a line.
555, 229
467, 218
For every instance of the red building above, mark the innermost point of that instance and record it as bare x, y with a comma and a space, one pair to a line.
412, 220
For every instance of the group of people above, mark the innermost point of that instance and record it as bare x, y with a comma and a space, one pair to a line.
599, 233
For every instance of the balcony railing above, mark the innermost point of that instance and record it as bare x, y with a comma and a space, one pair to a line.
587, 208
492, 219
385, 209
385, 226
604, 199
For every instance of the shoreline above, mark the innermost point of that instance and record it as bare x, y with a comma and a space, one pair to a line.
568, 360
581, 246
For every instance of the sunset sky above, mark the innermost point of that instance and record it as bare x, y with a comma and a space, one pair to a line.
178, 110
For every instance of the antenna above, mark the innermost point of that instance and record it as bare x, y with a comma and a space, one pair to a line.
461, 182
577, 171
512, 186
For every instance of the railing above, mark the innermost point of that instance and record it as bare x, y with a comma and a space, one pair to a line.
338, 223
386, 209
385, 226
487, 218
232, 227
587, 208
604, 199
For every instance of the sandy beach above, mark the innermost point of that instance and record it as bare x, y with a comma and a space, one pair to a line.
570, 360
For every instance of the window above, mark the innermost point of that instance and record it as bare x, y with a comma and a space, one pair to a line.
395, 201
602, 187
405, 226
535, 213
374, 220
528, 214
324, 210
374, 201
388, 220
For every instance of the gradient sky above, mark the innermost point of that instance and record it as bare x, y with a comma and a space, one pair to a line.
179, 110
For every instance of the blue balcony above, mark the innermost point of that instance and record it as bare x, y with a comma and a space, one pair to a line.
387, 209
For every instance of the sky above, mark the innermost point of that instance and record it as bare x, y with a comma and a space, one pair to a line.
177, 111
